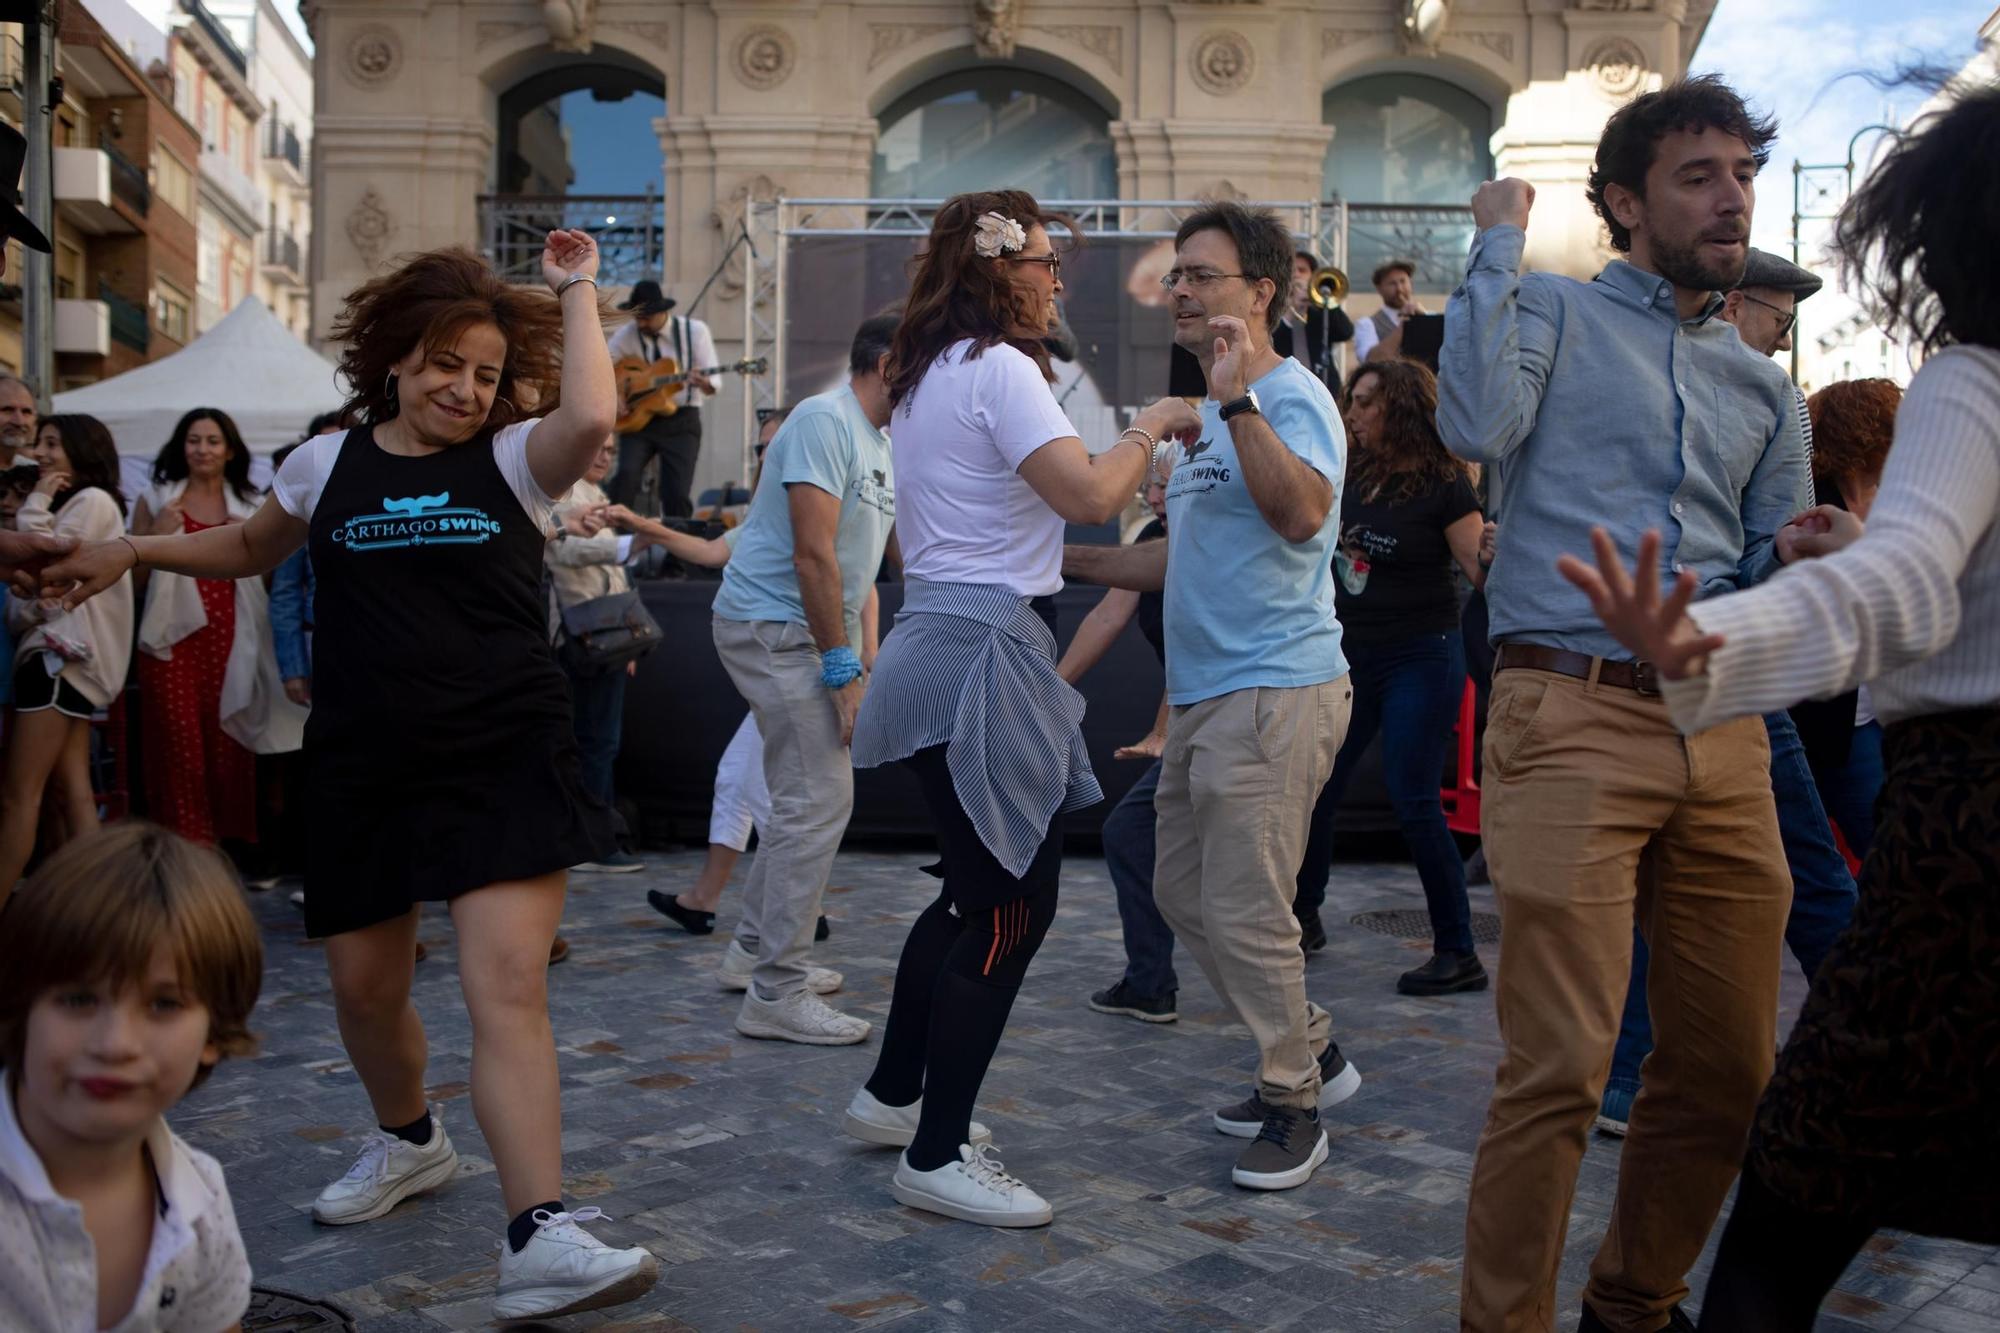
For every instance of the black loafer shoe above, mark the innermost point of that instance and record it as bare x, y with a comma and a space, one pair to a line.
1444, 974
687, 918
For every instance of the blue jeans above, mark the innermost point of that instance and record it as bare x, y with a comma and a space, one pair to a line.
1822, 891
597, 707
1409, 690
1849, 789
1128, 855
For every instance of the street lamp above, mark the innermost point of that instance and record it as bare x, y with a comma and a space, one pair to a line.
1816, 185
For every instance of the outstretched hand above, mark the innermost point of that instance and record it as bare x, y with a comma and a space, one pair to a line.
1229, 376
1655, 629
23, 556
87, 571
566, 254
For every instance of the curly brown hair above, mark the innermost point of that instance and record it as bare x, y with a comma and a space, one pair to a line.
95, 911
1410, 458
1854, 423
429, 300
954, 294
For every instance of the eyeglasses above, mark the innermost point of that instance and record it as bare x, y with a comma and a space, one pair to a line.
1054, 262
1197, 278
1787, 318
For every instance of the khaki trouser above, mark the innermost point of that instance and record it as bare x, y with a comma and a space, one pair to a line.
1595, 807
1237, 785
811, 776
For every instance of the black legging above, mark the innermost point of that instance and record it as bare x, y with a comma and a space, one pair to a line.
1776, 1264
960, 971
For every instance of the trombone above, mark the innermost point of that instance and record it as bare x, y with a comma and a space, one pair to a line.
1327, 287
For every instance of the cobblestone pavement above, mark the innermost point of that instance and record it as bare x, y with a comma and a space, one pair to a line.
724, 1155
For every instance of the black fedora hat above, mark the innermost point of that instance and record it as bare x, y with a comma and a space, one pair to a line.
13, 153
646, 299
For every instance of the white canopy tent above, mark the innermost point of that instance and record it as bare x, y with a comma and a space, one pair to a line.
249, 366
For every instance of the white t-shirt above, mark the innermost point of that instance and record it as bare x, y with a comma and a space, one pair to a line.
197, 1277
299, 483
963, 514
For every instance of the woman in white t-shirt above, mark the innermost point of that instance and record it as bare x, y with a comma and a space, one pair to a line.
988, 470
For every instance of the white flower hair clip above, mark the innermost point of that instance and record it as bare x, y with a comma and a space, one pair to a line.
995, 235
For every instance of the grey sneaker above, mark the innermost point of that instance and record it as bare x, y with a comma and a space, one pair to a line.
733, 972
1289, 1146
1338, 1080
386, 1172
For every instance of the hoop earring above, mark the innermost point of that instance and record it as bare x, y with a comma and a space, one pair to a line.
389, 385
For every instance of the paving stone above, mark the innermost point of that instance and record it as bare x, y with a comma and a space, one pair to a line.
724, 1156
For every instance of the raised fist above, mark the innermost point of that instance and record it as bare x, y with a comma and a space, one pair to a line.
1502, 203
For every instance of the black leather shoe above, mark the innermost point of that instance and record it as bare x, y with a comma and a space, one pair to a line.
687, 918
1312, 933
1122, 999
1444, 974
1677, 1322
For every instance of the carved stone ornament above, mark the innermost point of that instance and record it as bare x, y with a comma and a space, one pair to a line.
1423, 25
569, 23
374, 55
369, 225
659, 34
1617, 66
766, 57
885, 39
1105, 42
1223, 62
498, 30
1334, 38
995, 24
728, 217
1499, 43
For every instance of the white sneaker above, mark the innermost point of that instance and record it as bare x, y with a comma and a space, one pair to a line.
387, 1172
873, 1120
733, 973
563, 1269
975, 1188
802, 1017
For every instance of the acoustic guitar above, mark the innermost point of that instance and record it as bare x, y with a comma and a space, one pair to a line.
654, 390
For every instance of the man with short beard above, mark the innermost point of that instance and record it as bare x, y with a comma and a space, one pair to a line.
1623, 396
17, 418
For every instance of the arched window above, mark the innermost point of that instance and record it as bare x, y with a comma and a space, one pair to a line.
1405, 139
988, 129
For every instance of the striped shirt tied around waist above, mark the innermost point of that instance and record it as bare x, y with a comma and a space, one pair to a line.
972, 664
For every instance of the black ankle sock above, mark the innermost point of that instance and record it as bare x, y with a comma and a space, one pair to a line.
522, 1229
418, 1131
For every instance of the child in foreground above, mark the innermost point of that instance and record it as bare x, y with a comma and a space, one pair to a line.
130, 968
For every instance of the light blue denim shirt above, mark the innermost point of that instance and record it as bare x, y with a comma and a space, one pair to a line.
1595, 403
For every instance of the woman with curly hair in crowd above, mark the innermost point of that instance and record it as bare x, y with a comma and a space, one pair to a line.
1408, 518
441, 765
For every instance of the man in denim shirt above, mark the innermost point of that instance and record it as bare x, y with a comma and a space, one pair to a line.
1623, 399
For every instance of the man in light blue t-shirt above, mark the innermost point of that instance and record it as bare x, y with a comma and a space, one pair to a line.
788, 629
1255, 676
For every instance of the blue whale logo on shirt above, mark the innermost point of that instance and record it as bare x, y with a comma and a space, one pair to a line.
416, 504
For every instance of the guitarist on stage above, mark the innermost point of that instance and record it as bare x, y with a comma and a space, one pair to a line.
675, 438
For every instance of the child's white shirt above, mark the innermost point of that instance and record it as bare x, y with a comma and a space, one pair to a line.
197, 1276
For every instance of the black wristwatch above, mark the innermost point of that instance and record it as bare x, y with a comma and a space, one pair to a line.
1247, 404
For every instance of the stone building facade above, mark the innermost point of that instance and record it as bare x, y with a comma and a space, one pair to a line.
804, 98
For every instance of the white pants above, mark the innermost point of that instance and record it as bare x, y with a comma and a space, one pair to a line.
742, 801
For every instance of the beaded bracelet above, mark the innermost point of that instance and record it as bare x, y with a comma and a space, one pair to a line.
839, 667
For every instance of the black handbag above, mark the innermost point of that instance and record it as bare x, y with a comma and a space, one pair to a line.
604, 633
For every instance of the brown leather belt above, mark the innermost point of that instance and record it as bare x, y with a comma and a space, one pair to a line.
1639, 677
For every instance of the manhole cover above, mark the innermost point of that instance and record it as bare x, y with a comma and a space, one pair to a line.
1404, 924
282, 1312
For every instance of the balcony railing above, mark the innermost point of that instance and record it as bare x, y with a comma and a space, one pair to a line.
129, 324
128, 179
281, 143
1434, 237
630, 230
281, 251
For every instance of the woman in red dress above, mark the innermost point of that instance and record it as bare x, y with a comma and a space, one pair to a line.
199, 781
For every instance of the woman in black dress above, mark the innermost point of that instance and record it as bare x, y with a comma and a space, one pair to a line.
441, 765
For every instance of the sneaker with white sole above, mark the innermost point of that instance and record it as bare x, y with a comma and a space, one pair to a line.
388, 1171
1289, 1147
975, 1188
733, 972
1338, 1080
802, 1017
873, 1120
563, 1269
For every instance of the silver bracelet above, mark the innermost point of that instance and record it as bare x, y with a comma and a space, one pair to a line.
1142, 433
572, 280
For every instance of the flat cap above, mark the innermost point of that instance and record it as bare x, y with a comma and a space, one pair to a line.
1765, 269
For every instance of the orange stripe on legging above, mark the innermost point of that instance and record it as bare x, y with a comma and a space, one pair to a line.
992, 950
